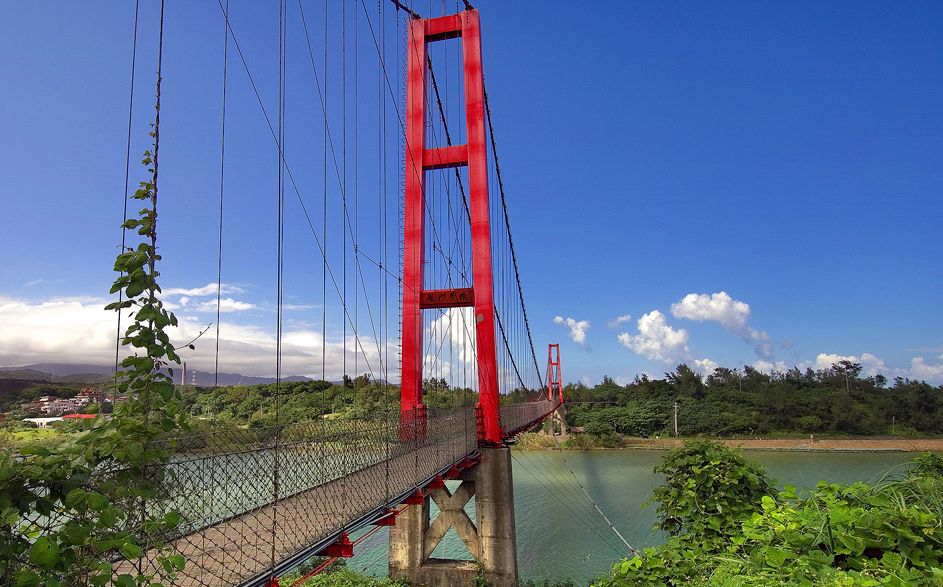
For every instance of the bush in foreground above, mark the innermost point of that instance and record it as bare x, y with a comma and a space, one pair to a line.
729, 532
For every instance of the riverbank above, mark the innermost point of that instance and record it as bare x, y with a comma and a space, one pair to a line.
805, 444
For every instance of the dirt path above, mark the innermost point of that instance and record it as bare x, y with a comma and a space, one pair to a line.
804, 443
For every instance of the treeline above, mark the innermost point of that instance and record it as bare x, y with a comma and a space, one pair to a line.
354, 397
837, 400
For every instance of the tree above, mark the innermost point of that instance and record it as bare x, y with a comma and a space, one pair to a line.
686, 381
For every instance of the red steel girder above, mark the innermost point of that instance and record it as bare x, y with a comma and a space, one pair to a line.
442, 157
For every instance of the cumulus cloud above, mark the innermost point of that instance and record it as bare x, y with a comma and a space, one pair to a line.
770, 367
452, 335
731, 314
79, 330
617, 321
825, 361
577, 329
657, 340
705, 367
920, 370
872, 365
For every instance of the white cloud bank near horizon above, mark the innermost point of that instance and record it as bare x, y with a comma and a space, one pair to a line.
81, 331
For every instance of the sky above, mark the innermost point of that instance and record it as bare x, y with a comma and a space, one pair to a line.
721, 184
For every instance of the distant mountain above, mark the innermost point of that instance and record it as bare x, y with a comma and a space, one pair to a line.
57, 373
63, 373
62, 370
207, 379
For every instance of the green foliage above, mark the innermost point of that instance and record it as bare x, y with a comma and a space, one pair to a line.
709, 488
346, 578
72, 512
748, 403
548, 583
834, 536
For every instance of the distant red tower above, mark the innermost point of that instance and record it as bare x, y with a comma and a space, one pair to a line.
418, 160
554, 376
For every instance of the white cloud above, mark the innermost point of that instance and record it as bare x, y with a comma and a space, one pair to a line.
225, 305
705, 367
825, 361
769, 367
577, 329
656, 340
178, 298
620, 320
872, 365
730, 313
79, 330
452, 336
208, 289
929, 373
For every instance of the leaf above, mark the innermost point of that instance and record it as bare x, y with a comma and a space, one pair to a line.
775, 557
27, 579
97, 501
135, 287
178, 561
172, 519
131, 551
108, 518
76, 498
44, 553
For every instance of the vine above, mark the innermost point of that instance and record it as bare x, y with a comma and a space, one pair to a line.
88, 512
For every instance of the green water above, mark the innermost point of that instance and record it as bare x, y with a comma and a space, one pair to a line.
559, 533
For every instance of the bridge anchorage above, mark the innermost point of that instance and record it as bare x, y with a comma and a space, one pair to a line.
491, 538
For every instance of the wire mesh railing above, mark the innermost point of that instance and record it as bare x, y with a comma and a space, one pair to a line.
250, 499
516, 418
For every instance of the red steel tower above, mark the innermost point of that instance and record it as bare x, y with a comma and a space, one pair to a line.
419, 159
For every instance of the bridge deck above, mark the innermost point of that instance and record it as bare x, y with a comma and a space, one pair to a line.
232, 530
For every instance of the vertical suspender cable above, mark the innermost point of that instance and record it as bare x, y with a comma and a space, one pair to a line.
324, 215
222, 162
127, 173
343, 185
280, 266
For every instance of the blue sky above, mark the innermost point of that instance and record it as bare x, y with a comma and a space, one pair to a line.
725, 183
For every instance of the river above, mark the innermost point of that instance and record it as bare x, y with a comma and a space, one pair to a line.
559, 533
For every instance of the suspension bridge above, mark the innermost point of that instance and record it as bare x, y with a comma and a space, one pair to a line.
254, 502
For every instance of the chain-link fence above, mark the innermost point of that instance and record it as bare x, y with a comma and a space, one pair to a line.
248, 499
517, 417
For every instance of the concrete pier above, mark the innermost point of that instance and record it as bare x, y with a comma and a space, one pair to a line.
491, 538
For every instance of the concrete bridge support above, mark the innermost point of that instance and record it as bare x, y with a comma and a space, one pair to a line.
558, 419
491, 539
